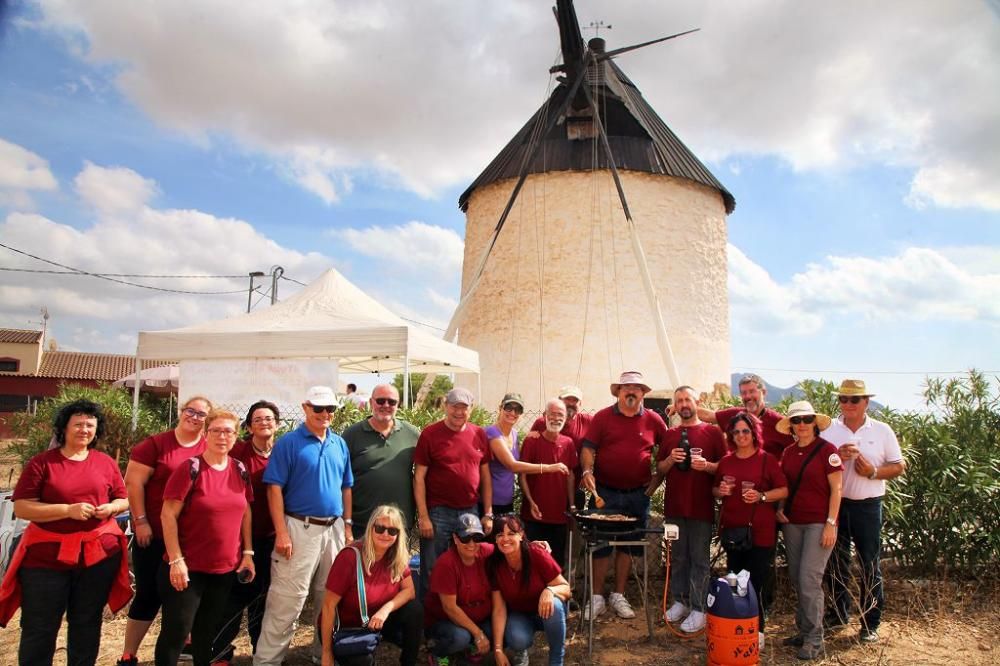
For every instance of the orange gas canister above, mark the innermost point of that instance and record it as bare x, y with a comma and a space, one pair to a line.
731, 628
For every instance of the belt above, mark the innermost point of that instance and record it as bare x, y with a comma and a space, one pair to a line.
310, 520
867, 500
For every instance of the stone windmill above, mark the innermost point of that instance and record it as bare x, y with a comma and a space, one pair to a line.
595, 243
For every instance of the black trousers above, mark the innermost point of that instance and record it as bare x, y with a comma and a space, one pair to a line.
146, 563
405, 628
554, 534
194, 611
251, 597
760, 563
79, 593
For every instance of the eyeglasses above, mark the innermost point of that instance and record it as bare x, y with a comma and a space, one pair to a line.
194, 414
381, 402
513, 407
740, 431
853, 399
222, 432
261, 420
469, 538
319, 409
796, 420
382, 529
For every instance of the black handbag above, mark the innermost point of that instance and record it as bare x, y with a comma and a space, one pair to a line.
356, 642
740, 539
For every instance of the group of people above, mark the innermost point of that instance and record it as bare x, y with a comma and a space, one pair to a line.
222, 527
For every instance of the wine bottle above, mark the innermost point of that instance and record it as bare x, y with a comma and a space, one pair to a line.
685, 464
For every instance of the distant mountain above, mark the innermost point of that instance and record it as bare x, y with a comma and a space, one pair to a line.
775, 394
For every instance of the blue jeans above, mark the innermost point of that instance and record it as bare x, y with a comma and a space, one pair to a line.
449, 638
520, 632
860, 523
46, 594
445, 522
689, 562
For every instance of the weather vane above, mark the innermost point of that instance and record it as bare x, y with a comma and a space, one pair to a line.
596, 27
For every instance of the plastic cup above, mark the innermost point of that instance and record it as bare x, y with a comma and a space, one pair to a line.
728, 483
695, 452
747, 485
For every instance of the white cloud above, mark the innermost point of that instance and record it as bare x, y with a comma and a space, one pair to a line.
426, 93
919, 284
115, 190
21, 172
412, 248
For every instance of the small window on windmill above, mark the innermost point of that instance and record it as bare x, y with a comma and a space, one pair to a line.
580, 125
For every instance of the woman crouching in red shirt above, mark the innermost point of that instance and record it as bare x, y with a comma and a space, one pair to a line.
206, 525
529, 595
70, 557
748, 463
389, 592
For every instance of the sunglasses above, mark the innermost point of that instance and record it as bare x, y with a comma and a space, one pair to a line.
853, 399
469, 538
741, 431
513, 407
382, 529
319, 409
381, 402
796, 420
195, 414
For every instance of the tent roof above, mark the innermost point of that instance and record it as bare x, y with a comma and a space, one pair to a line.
330, 318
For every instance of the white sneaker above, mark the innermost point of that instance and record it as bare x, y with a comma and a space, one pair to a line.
596, 606
677, 612
621, 606
694, 622
760, 642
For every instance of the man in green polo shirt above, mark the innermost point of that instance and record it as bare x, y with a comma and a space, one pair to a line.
381, 449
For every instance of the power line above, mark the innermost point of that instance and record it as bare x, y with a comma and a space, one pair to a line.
864, 372
285, 277
131, 275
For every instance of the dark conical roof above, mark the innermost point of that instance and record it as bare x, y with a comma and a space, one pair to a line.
639, 139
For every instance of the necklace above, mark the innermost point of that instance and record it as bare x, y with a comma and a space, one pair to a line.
266, 453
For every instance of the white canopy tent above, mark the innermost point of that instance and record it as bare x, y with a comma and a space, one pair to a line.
331, 318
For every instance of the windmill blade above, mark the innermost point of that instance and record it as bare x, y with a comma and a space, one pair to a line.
626, 49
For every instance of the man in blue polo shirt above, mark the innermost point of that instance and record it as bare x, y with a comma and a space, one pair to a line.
309, 494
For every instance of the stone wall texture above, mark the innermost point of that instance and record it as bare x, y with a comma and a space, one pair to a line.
562, 302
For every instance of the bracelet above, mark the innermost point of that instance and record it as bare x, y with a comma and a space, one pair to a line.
490, 516
349, 521
874, 475
141, 519
586, 472
498, 649
540, 470
177, 561
248, 552
831, 521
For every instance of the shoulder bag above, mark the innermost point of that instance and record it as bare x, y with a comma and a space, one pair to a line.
359, 641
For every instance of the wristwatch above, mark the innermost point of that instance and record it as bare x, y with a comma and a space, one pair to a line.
831, 521
874, 475
763, 497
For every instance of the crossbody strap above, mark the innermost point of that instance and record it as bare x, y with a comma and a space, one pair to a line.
362, 600
798, 480
759, 484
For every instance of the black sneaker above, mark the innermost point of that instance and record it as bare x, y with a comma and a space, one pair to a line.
794, 641
128, 660
186, 653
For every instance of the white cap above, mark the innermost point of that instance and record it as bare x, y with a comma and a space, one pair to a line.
322, 396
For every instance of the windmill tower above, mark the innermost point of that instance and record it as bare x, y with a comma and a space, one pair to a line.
595, 243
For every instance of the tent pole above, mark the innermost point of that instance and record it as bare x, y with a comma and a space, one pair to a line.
135, 391
406, 378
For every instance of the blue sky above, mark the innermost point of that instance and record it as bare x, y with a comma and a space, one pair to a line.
860, 142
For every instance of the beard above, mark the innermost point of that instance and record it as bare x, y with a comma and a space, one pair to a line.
570, 412
554, 427
631, 399
686, 413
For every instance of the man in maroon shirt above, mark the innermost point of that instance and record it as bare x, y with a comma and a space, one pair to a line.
616, 459
688, 460
753, 393
450, 475
575, 428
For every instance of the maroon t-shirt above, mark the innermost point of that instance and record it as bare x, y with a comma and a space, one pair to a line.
522, 598
209, 525
469, 584
548, 490
255, 463
575, 429
765, 471
812, 501
53, 478
163, 453
452, 460
624, 446
343, 581
688, 494
774, 441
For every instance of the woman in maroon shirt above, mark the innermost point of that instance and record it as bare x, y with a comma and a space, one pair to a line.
151, 463
809, 516
747, 462
529, 595
206, 537
389, 592
69, 493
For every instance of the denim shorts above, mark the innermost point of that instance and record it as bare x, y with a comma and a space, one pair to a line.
631, 503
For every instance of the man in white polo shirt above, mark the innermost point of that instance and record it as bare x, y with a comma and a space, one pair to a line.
871, 456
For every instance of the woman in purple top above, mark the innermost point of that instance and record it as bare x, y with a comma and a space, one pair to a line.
505, 450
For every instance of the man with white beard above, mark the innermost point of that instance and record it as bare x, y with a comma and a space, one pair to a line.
548, 496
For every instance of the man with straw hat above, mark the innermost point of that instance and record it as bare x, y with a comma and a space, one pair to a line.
616, 458
871, 456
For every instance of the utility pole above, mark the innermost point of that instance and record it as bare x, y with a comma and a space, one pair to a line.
253, 276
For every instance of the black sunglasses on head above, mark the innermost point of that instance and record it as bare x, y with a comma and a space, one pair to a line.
382, 529
469, 538
796, 420
853, 399
392, 402
319, 409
